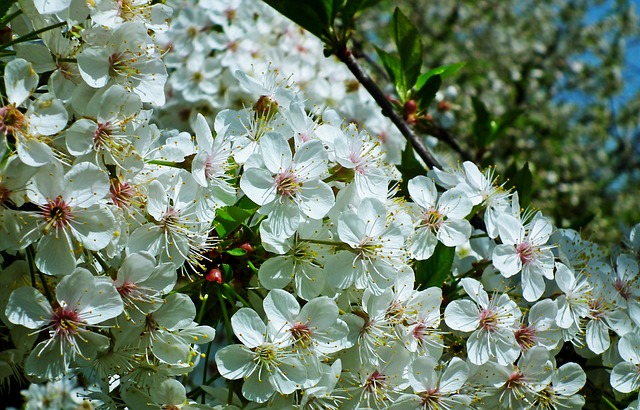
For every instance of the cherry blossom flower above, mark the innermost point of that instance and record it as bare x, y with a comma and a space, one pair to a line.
491, 321
82, 301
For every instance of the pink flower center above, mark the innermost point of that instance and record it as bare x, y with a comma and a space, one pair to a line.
286, 184
65, 321
375, 382
301, 334
526, 337
431, 398
488, 320
102, 134
121, 193
11, 119
515, 380
526, 252
57, 214
420, 332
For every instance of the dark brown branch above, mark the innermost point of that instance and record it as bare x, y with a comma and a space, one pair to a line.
387, 109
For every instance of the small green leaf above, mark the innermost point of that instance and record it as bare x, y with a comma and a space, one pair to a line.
409, 45
443, 71
437, 269
482, 129
350, 9
236, 252
409, 167
391, 65
316, 16
425, 95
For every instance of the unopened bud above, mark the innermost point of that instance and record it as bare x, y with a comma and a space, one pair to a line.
214, 275
247, 247
410, 110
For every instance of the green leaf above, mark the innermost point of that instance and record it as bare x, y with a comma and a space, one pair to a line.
228, 219
505, 121
425, 95
522, 182
236, 252
482, 127
409, 167
437, 269
350, 9
444, 71
316, 16
391, 64
409, 46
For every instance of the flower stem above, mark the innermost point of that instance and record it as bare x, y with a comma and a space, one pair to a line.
613, 406
33, 269
226, 319
7, 18
31, 35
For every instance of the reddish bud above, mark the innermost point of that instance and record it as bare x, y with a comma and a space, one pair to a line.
247, 247
410, 110
214, 275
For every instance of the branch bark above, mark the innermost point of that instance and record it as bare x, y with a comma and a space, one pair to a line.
358, 71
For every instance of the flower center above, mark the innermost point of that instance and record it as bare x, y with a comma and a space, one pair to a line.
301, 334
5, 193
102, 135
286, 184
420, 332
431, 398
432, 219
623, 288
515, 380
65, 321
526, 337
488, 320
525, 252
57, 214
375, 382
11, 119
121, 193
265, 354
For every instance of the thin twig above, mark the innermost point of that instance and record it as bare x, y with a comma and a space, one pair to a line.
445, 136
387, 109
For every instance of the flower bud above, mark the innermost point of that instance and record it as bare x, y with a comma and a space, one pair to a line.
214, 275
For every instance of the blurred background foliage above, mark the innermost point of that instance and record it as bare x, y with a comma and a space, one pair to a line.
567, 76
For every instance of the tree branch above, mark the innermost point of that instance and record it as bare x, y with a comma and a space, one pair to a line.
387, 109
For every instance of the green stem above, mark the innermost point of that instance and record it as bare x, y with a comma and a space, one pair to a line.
33, 269
204, 299
330, 243
7, 18
226, 319
235, 294
613, 406
164, 163
33, 34
204, 370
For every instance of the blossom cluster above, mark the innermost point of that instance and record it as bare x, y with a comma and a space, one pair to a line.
114, 236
